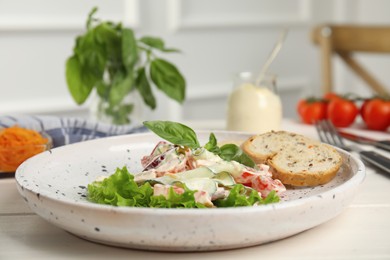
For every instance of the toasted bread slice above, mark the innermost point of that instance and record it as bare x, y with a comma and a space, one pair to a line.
294, 159
263, 147
309, 165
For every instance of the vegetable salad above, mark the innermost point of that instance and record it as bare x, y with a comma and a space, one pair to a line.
182, 174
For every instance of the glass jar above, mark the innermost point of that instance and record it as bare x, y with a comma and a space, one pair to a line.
254, 107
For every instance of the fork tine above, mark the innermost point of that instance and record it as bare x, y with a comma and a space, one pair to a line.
328, 134
325, 136
335, 135
320, 131
330, 131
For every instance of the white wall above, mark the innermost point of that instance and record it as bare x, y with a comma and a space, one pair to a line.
218, 38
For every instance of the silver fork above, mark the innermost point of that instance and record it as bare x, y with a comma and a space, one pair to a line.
328, 134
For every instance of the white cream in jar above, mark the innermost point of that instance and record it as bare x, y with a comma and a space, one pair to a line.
254, 108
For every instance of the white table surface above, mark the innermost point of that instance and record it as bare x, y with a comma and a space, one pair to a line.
361, 231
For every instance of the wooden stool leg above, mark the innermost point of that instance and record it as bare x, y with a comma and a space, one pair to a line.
325, 42
363, 73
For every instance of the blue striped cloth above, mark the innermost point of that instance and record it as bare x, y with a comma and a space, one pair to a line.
67, 130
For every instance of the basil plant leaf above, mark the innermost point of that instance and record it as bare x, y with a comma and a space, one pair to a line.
157, 43
102, 89
168, 79
109, 58
231, 152
129, 49
153, 42
171, 50
143, 87
173, 132
76, 86
106, 34
121, 86
90, 17
92, 56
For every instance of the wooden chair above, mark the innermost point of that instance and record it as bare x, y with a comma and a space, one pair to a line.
344, 40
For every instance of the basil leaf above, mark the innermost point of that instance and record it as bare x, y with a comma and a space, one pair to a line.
153, 42
212, 146
129, 49
90, 17
173, 132
89, 77
92, 56
102, 89
156, 43
171, 50
168, 79
107, 35
121, 85
143, 87
231, 152
76, 86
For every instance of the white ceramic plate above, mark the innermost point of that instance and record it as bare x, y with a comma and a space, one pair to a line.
54, 185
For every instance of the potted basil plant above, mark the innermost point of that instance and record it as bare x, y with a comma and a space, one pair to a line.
109, 59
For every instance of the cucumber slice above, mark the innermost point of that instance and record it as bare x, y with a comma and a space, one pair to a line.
208, 185
144, 176
201, 178
167, 179
234, 169
201, 172
224, 178
198, 173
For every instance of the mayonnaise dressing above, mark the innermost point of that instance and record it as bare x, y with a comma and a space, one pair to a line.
254, 109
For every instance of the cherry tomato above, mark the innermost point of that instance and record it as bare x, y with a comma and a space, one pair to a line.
342, 112
330, 96
363, 108
376, 114
311, 111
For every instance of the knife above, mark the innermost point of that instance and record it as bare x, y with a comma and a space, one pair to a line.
382, 144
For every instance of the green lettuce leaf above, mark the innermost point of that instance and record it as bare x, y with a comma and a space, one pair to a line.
239, 197
174, 200
120, 189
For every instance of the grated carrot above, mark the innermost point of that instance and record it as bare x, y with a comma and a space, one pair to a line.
17, 144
